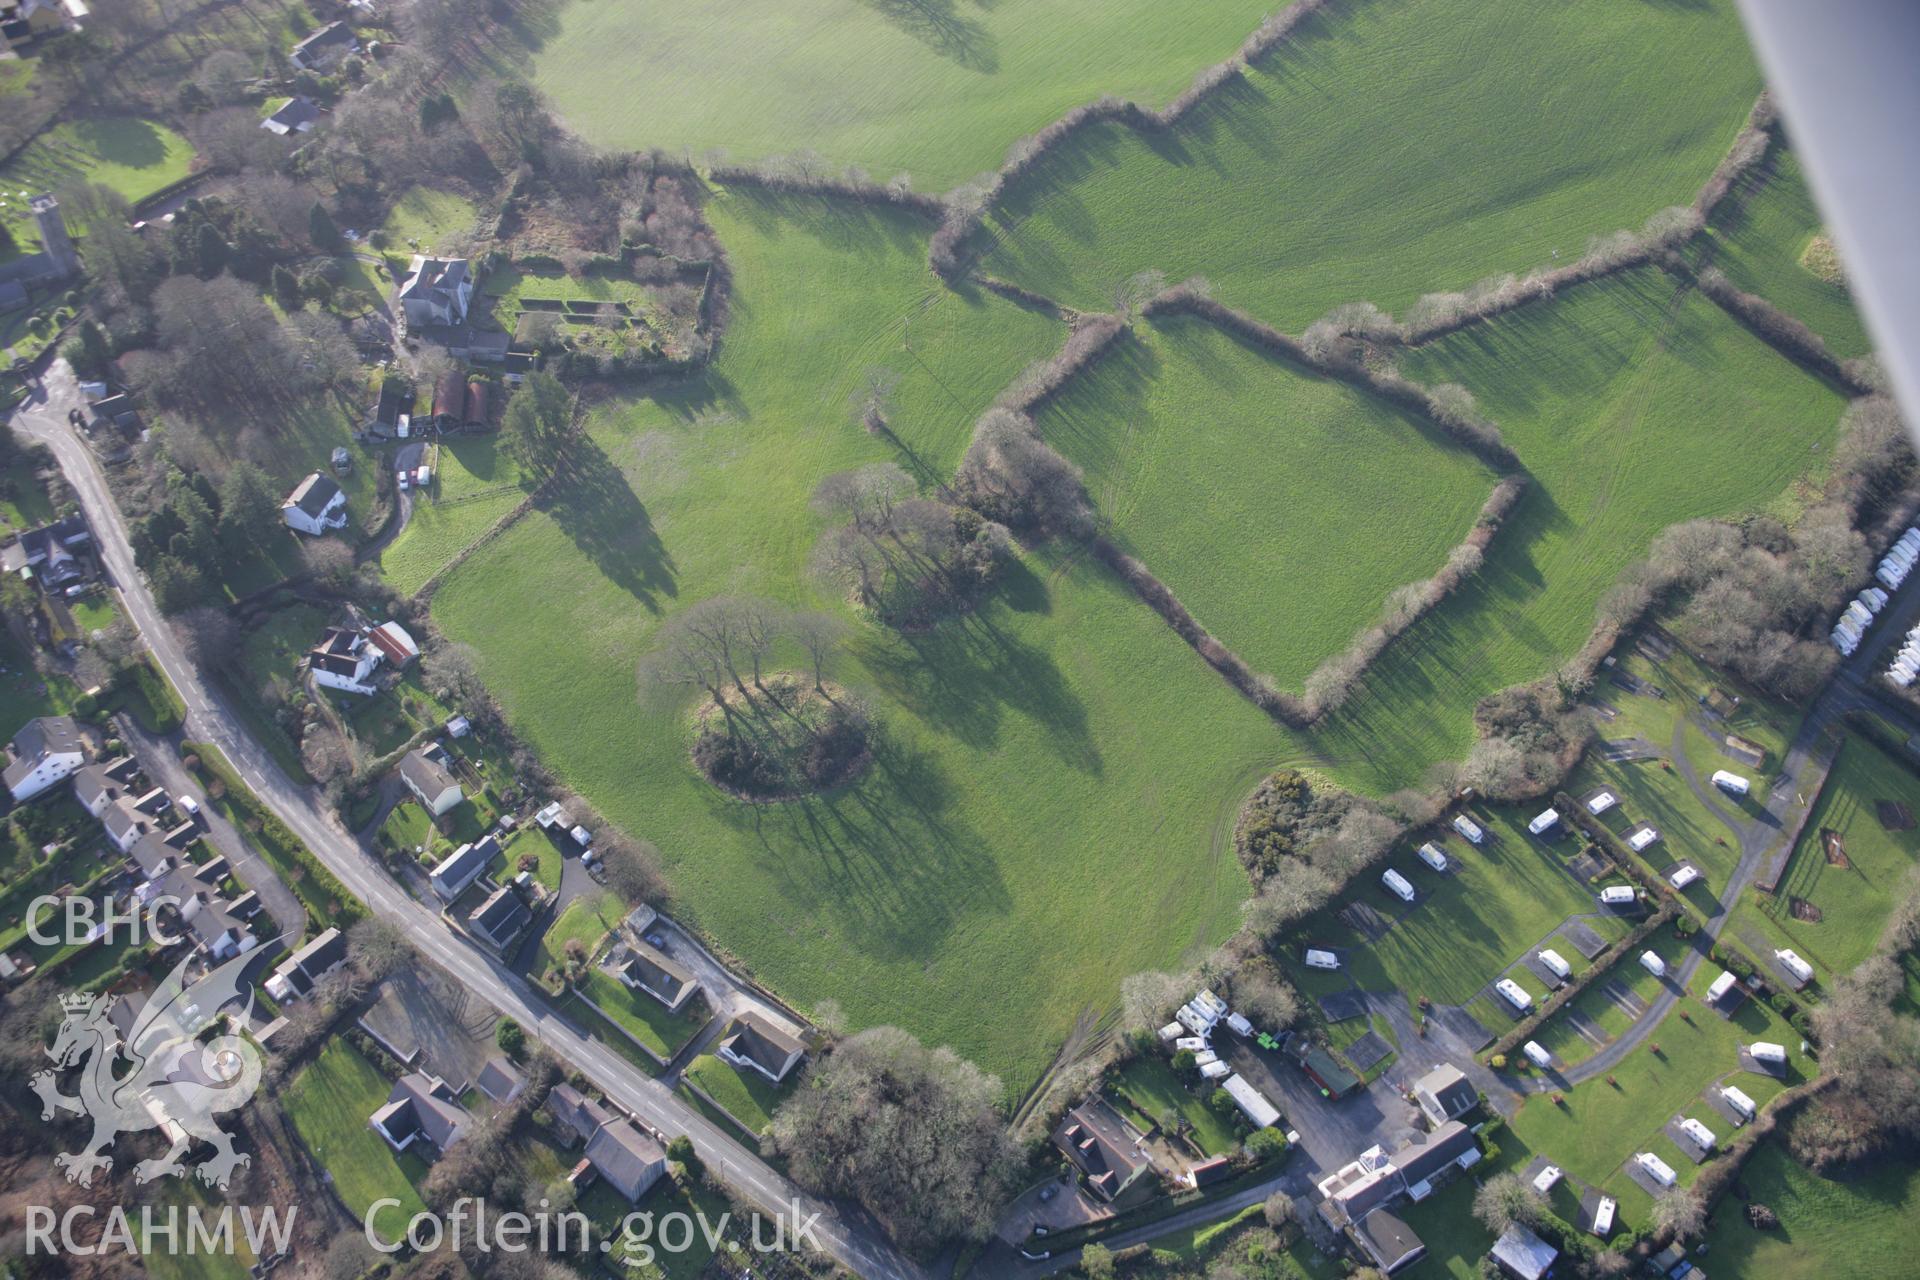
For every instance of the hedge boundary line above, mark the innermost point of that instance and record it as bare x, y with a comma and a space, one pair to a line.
1779, 329
1523, 1030
964, 211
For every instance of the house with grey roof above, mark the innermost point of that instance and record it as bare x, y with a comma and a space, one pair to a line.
1108, 1153
300, 972
626, 1159
463, 866
297, 115
436, 291
499, 1081
576, 1113
1445, 1093
96, 786
421, 1108
325, 49
654, 972
46, 750
752, 1041
500, 919
316, 506
51, 554
427, 773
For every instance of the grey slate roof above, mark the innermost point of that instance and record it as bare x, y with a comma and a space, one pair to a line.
37, 739
314, 494
626, 1158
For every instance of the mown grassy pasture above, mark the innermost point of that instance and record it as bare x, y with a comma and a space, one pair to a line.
1854, 901
936, 89
1634, 404
1382, 153
1053, 761
424, 217
1758, 236
1862, 1224
747, 1096
475, 483
1282, 508
133, 156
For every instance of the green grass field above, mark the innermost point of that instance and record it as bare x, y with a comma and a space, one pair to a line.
747, 1096
329, 1102
643, 1017
1863, 1224
1854, 901
1757, 238
135, 157
1054, 759
1634, 405
477, 483
586, 920
177, 1259
1281, 508
423, 217
1382, 154
939, 89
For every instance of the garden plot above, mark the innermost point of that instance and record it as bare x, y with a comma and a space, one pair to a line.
1380, 153
1631, 403
1281, 507
1054, 760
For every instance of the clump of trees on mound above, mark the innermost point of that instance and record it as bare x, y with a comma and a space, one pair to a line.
914, 1134
909, 560
763, 735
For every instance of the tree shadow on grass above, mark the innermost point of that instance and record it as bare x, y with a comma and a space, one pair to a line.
842, 224
591, 502
885, 857
938, 25
963, 676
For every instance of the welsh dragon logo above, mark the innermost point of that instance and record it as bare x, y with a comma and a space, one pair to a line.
178, 1082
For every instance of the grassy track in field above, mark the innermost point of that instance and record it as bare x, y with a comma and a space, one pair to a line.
937, 89
1388, 151
1281, 508
1866, 1220
1757, 238
1634, 404
476, 484
1055, 761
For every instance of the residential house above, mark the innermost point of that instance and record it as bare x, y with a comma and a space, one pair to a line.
752, 1041
1355, 1197
1445, 1093
51, 554
297, 115
130, 817
576, 1113
427, 774
211, 923
316, 506
98, 785
154, 855
1424, 1158
499, 920
626, 1159
499, 1081
462, 867
646, 969
436, 291
1106, 1150
23, 21
300, 972
57, 260
422, 1108
344, 660
46, 750
1390, 1242
325, 49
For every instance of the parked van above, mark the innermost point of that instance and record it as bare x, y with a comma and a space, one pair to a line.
1317, 959
1556, 962
1397, 885
187, 805
1537, 1054
1653, 964
1514, 994
1431, 855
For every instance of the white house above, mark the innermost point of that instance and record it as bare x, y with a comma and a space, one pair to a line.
436, 291
755, 1043
316, 506
344, 660
426, 774
46, 750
